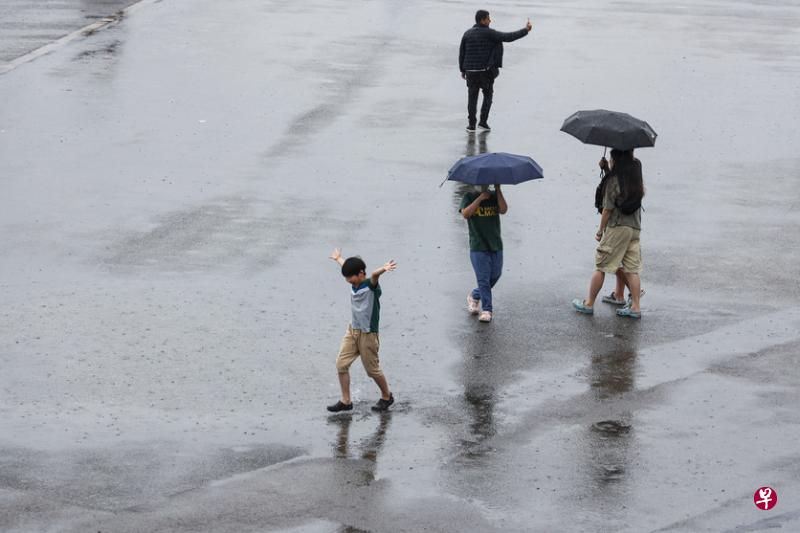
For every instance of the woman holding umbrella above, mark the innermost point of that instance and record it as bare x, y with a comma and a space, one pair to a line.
618, 233
617, 296
621, 219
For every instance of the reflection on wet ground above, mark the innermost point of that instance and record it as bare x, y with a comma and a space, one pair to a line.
594, 456
481, 349
369, 447
607, 448
611, 375
477, 143
612, 371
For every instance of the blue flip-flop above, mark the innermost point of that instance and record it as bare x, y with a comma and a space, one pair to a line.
627, 311
581, 307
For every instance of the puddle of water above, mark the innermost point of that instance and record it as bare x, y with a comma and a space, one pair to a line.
611, 428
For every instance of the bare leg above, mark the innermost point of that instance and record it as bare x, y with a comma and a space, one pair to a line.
344, 383
622, 282
595, 284
381, 382
635, 286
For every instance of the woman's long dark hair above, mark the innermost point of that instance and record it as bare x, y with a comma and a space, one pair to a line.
629, 173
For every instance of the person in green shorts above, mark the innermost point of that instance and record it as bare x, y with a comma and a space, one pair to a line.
361, 338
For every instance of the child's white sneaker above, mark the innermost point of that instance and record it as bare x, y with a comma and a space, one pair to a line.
485, 316
473, 305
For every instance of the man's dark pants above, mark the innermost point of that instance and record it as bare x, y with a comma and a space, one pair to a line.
480, 81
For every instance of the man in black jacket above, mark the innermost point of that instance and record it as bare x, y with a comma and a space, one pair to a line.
479, 59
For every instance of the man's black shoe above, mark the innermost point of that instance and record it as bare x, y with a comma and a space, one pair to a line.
484, 126
471, 128
339, 406
383, 405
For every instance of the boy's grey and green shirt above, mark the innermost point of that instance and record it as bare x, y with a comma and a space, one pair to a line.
365, 301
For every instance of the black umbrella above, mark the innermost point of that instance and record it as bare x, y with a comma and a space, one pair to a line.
610, 129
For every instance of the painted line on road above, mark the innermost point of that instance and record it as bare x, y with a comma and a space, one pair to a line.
83, 32
304, 458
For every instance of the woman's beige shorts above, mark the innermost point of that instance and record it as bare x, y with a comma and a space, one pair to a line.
355, 343
619, 247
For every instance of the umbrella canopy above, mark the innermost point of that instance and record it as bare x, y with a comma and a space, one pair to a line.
610, 128
491, 168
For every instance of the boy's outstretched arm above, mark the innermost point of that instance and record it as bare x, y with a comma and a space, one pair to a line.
388, 267
336, 255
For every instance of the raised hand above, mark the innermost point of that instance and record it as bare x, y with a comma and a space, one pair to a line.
336, 254
389, 266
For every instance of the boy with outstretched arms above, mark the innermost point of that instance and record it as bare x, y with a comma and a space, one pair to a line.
361, 338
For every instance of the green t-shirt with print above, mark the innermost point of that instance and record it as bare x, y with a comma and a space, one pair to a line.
484, 225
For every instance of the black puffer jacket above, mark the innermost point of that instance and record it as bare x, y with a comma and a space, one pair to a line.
482, 47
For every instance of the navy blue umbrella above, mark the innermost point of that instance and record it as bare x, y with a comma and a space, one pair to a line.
488, 169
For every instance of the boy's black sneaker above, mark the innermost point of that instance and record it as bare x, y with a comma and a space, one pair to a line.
383, 405
471, 128
484, 126
339, 406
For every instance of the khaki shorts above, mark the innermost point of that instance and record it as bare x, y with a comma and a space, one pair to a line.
355, 343
619, 247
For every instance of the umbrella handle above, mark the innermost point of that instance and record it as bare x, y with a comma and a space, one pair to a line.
605, 148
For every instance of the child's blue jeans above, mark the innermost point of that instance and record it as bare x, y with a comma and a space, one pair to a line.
487, 266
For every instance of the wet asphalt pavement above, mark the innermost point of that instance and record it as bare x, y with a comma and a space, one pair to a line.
26, 25
172, 187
